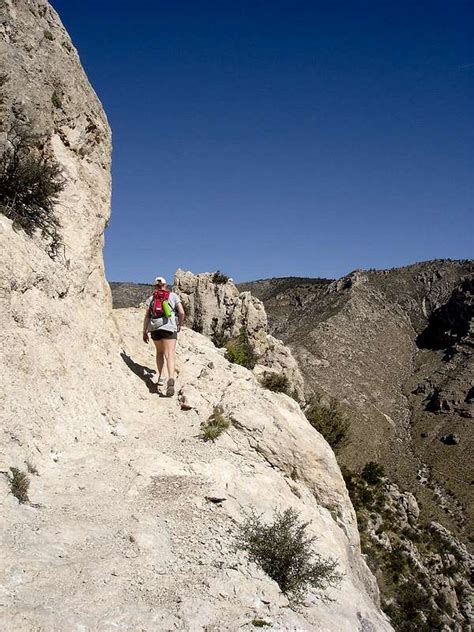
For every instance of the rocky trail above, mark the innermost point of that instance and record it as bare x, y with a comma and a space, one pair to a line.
137, 528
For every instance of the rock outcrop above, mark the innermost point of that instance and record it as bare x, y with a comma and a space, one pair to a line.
120, 529
220, 311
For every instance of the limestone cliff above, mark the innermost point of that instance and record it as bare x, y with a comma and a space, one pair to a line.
122, 529
221, 311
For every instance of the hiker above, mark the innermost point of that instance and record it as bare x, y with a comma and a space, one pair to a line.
163, 325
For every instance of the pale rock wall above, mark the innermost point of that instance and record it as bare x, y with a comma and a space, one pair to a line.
219, 308
57, 329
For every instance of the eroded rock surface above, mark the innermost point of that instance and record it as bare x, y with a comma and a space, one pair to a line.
220, 311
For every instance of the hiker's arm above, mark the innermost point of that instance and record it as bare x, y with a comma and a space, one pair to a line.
181, 314
145, 325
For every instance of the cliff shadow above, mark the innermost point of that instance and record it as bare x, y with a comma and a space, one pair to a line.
143, 372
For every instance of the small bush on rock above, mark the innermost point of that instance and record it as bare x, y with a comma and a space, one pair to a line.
373, 473
276, 382
330, 421
19, 484
215, 425
285, 553
219, 339
56, 100
240, 351
30, 183
219, 278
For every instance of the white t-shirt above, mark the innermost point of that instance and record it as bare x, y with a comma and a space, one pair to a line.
165, 324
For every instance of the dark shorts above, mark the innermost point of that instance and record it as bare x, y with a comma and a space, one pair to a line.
161, 334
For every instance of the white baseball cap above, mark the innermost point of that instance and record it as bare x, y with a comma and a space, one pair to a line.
161, 280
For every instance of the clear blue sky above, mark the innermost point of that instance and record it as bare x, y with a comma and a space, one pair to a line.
277, 137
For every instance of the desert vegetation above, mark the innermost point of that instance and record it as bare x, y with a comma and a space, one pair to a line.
330, 421
373, 473
240, 350
30, 183
215, 425
19, 485
56, 99
219, 278
285, 552
219, 339
276, 382
402, 554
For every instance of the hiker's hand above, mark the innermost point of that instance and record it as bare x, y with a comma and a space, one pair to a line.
145, 337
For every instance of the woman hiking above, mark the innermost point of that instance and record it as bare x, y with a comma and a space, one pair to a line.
163, 325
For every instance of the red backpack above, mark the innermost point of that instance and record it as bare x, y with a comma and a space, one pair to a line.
156, 306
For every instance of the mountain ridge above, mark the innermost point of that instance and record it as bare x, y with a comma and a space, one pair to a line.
403, 301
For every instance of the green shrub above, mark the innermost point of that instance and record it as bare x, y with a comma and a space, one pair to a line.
398, 562
408, 598
406, 613
30, 183
330, 421
48, 35
365, 496
285, 553
19, 484
350, 478
219, 339
214, 426
240, 351
362, 496
56, 100
276, 382
373, 473
219, 278
261, 623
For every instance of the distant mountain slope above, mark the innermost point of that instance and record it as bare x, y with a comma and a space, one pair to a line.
265, 289
129, 294
396, 346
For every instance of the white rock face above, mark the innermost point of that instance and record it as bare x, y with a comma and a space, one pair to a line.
219, 309
119, 533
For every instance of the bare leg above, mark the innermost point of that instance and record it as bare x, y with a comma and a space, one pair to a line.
160, 356
170, 350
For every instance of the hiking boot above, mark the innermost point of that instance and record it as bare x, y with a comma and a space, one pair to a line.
170, 388
161, 382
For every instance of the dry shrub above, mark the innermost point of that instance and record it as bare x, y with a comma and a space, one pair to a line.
284, 551
215, 425
330, 421
19, 484
30, 183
